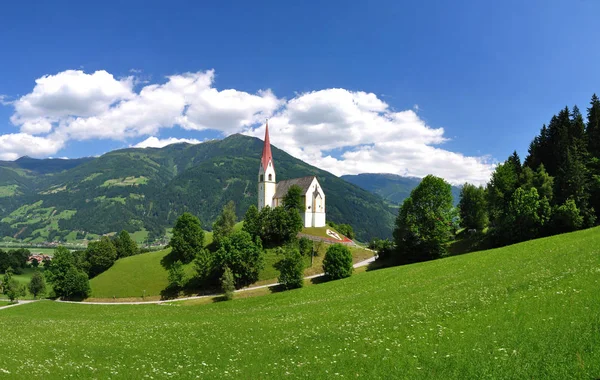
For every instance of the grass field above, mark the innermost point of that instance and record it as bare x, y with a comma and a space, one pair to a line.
4, 303
530, 310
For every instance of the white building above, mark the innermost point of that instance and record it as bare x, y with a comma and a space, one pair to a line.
271, 193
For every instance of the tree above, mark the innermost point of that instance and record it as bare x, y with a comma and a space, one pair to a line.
176, 276
472, 207
252, 222
125, 245
593, 127
338, 262
228, 283
291, 268
278, 225
293, 199
242, 255
225, 222
344, 229
566, 218
203, 263
66, 275
11, 287
502, 185
305, 246
101, 255
37, 284
35, 263
188, 238
527, 215
425, 221
76, 284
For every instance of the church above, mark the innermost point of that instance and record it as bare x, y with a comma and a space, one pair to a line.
271, 193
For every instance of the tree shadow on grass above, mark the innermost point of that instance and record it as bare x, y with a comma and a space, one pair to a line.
319, 280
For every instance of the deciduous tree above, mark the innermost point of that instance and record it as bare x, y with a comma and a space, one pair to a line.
188, 238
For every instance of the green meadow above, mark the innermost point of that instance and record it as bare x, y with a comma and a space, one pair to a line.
530, 310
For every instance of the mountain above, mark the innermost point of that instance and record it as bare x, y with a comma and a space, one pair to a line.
391, 187
145, 190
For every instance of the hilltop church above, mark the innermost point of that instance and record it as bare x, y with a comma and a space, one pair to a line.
271, 193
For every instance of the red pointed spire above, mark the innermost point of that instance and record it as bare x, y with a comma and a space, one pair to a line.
266, 153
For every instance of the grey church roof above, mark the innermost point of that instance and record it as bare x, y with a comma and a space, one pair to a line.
284, 186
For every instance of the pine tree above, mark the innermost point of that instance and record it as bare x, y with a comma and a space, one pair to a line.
593, 127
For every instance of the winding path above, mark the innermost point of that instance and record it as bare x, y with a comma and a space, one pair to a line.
357, 265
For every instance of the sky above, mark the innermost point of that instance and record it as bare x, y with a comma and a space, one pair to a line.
411, 88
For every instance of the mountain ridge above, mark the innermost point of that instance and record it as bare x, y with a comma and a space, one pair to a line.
145, 189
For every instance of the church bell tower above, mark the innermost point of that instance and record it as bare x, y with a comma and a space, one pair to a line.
266, 175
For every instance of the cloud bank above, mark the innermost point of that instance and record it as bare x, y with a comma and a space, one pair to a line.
342, 131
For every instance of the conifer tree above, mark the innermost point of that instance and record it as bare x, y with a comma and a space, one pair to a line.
593, 127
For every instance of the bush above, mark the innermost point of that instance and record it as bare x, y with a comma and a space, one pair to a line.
291, 268
338, 262
305, 245
228, 283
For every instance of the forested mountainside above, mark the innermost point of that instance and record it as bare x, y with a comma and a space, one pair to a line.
146, 189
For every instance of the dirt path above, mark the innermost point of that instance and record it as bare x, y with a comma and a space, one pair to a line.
18, 303
357, 265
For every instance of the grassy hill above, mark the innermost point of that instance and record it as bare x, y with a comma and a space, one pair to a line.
147, 189
530, 310
130, 276
393, 188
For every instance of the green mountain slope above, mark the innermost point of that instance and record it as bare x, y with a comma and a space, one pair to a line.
136, 189
393, 188
527, 311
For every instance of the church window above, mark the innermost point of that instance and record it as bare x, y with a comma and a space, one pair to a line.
270, 177
262, 178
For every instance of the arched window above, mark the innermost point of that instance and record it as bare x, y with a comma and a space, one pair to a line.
270, 177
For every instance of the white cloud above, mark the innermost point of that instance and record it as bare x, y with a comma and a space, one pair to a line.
336, 129
15, 145
154, 142
372, 137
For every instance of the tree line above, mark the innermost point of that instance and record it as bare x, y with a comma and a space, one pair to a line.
556, 189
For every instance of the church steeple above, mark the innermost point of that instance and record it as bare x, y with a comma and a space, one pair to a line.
266, 153
267, 184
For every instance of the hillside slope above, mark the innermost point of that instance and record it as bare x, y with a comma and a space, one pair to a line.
531, 310
137, 189
391, 187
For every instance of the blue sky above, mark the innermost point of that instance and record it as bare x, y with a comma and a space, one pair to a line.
488, 74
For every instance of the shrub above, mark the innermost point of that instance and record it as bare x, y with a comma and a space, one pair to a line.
291, 268
228, 283
305, 245
338, 262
